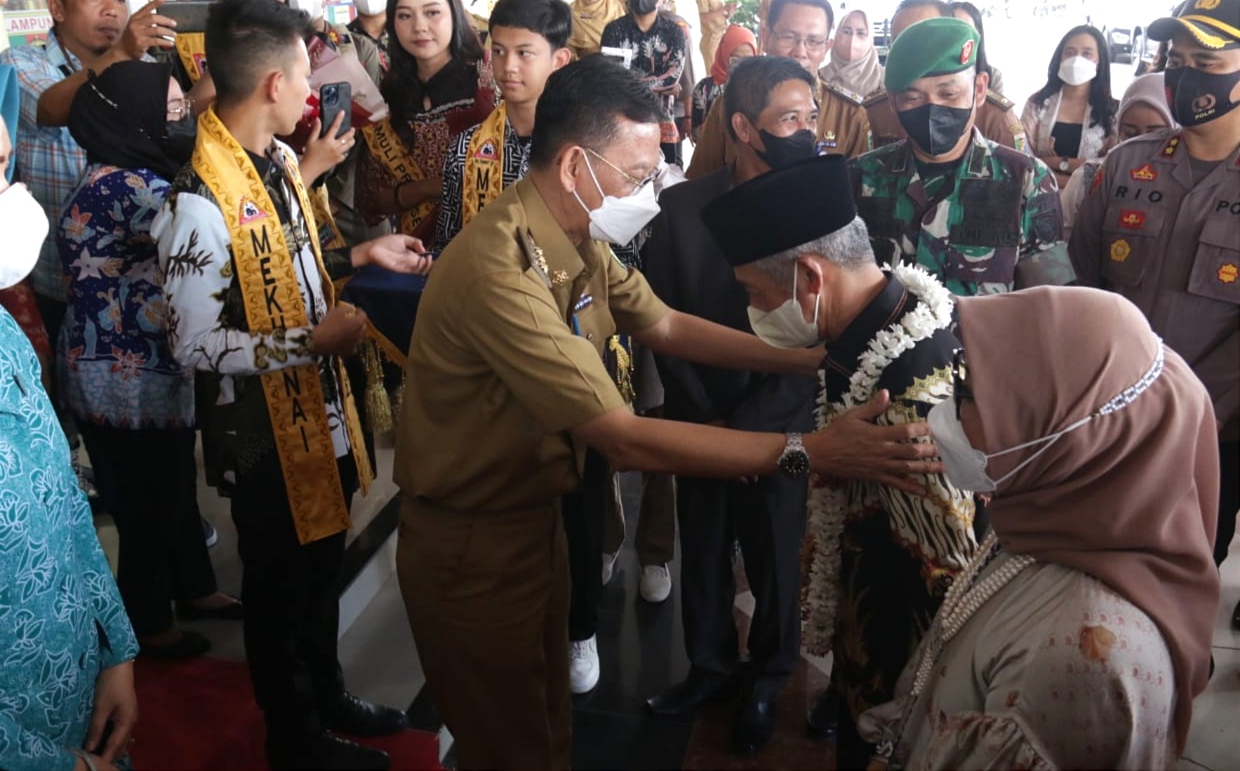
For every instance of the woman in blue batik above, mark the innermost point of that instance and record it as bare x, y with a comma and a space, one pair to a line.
66, 647
133, 403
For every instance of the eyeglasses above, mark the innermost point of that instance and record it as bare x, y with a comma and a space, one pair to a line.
960, 371
179, 108
638, 184
792, 40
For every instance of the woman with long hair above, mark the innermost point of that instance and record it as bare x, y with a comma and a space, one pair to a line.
1072, 118
853, 61
438, 85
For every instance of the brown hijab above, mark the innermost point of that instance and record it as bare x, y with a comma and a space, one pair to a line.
1130, 498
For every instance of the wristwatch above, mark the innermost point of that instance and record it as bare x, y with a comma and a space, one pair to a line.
1064, 166
794, 461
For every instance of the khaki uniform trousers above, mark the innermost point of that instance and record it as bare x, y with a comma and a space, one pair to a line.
487, 596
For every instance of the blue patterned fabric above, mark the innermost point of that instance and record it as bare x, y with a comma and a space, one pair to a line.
61, 617
117, 368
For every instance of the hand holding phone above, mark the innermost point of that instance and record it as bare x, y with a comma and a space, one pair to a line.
336, 99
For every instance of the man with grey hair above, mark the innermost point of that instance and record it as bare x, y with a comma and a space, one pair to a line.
882, 556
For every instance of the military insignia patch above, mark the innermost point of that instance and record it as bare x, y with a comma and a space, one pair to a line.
1228, 273
829, 139
559, 278
1169, 148
966, 52
1120, 250
538, 261
1144, 174
250, 211
1131, 219
1206, 5
586, 301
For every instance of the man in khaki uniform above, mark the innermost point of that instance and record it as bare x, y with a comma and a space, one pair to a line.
996, 117
507, 389
1161, 224
713, 15
798, 29
590, 17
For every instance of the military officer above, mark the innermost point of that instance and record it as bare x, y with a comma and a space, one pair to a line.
799, 29
996, 117
507, 388
1161, 223
981, 217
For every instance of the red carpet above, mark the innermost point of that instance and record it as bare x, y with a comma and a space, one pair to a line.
200, 715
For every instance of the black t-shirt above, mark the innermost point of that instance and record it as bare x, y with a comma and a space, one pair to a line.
1067, 138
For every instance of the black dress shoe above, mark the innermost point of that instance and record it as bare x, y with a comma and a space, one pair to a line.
687, 696
351, 715
189, 645
755, 725
188, 611
823, 721
324, 751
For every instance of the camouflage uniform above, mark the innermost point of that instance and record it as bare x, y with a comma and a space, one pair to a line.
993, 227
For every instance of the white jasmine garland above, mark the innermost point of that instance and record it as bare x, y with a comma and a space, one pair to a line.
828, 501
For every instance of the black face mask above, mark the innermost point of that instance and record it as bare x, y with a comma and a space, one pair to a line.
934, 128
643, 7
785, 151
1197, 97
179, 139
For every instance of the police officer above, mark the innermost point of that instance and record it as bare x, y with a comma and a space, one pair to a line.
996, 117
1161, 223
799, 29
506, 390
981, 217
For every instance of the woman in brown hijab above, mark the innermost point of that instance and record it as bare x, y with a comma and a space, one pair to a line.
1081, 632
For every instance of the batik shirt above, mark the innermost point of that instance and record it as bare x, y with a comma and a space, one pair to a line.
61, 616
992, 225
516, 165
207, 326
898, 551
658, 53
704, 95
118, 370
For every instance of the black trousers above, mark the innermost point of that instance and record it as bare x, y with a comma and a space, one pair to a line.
768, 518
1228, 497
292, 602
583, 529
148, 481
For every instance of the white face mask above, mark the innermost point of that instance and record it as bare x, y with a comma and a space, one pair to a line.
1077, 70
313, 8
24, 226
370, 7
786, 327
963, 464
619, 220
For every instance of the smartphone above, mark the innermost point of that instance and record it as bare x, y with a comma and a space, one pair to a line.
334, 99
190, 15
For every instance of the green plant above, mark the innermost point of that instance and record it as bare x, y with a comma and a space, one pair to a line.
746, 15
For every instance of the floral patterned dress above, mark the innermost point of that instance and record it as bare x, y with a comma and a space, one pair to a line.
118, 369
61, 618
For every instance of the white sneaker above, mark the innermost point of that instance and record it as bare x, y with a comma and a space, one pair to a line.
656, 583
609, 566
583, 667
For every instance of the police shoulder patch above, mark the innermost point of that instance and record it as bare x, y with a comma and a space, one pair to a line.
999, 100
846, 94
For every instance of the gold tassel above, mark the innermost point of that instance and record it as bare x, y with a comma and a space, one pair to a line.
624, 368
378, 406
398, 398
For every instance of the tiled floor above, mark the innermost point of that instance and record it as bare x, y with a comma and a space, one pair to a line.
641, 652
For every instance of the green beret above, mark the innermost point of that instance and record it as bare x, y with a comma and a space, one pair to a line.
928, 49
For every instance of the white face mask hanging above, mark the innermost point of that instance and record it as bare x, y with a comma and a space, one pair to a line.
965, 466
785, 326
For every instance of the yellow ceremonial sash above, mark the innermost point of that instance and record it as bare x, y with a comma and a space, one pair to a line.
192, 49
483, 180
329, 233
386, 146
272, 298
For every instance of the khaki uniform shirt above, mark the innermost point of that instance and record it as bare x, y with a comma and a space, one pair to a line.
997, 120
506, 358
842, 125
1172, 247
590, 17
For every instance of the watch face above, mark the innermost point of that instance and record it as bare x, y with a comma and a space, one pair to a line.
794, 463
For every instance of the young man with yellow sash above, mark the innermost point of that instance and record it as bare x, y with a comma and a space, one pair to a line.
529, 40
252, 307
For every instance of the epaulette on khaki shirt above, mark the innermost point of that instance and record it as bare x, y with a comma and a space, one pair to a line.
843, 125
996, 118
506, 358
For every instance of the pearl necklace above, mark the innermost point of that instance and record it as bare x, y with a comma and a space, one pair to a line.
965, 597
